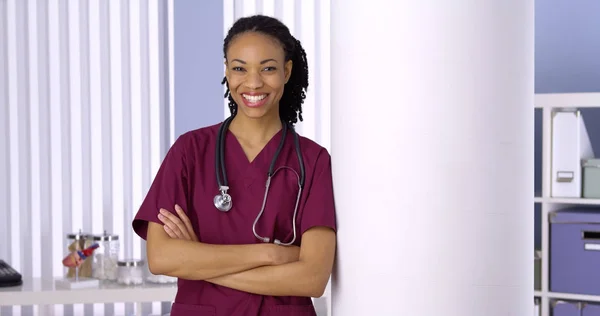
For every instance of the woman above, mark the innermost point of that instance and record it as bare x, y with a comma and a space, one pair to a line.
226, 260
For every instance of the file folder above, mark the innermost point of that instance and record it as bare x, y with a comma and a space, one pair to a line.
591, 310
570, 145
566, 308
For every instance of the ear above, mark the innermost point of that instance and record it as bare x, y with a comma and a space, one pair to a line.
226, 70
288, 70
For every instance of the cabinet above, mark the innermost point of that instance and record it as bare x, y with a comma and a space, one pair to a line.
546, 104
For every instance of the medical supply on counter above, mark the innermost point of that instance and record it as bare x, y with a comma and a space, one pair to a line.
104, 263
575, 250
161, 279
75, 260
591, 178
130, 272
75, 242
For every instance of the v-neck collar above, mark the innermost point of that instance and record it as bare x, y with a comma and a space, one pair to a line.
262, 160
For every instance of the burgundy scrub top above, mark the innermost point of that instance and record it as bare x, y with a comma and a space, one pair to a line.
187, 177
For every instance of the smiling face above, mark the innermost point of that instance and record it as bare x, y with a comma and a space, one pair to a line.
256, 74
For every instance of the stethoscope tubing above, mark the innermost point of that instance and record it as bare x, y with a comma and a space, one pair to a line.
223, 201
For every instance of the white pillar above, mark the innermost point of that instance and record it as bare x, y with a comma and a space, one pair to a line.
432, 145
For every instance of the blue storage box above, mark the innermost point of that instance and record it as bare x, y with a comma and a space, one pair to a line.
566, 308
591, 310
575, 251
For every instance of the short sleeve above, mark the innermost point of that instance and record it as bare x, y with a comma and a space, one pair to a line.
168, 188
319, 209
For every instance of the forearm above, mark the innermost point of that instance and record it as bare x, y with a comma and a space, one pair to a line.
292, 279
199, 261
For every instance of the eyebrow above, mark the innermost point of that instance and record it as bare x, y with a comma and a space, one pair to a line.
262, 62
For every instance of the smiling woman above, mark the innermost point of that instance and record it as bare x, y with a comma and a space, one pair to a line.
257, 81
269, 54
252, 249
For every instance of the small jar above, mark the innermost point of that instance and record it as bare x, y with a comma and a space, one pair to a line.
104, 265
79, 241
131, 272
160, 279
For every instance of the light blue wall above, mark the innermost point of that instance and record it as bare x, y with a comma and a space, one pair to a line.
198, 63
567, 59
567, 46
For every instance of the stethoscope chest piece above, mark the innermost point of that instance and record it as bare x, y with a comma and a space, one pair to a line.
223, 200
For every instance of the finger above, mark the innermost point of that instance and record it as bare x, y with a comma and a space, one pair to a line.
171, 229
178, 227
166, 217
168, 222
162, 217
170, 232
186, 221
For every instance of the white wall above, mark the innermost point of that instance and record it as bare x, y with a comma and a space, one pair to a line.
82, 102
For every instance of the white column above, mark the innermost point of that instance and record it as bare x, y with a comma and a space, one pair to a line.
432, 145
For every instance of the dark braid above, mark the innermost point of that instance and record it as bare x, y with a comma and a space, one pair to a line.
294, 92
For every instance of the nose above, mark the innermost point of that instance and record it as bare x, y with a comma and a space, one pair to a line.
253, 80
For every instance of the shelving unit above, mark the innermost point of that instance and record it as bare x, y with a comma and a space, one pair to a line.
547, 103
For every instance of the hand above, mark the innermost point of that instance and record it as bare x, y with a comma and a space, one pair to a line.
177, 227
285, 254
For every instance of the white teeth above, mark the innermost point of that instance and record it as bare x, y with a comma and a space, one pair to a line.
254, 98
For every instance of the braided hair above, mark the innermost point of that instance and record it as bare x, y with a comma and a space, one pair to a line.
294, 93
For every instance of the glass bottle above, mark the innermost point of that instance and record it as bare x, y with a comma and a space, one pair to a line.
74, 242
131, 272
104, 265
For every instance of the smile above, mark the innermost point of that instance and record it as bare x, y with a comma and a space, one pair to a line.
254, 98
254, 101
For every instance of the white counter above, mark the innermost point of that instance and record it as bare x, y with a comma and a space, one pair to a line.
44, 292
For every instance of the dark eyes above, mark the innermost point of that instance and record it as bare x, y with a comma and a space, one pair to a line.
264, 69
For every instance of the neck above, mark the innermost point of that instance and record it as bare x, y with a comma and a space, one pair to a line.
255, 130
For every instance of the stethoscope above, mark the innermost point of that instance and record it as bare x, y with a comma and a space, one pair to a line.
223, 200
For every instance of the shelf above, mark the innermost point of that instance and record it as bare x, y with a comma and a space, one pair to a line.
567, 100
43, 292
573, 297
548, 103
567, 296
576, 201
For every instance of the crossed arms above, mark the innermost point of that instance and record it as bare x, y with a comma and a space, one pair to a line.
264, 269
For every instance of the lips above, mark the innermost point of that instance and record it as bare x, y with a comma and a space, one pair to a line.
254, 100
